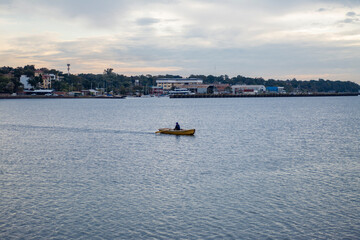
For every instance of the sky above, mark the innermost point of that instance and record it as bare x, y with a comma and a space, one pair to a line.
278, 39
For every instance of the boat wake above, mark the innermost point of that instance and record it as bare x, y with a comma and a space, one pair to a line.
26, 127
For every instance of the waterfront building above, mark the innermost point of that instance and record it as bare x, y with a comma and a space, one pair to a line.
250, 89
25, 81
275, 89
75, 94
90, 92
169, 83
221, 88
157, 91
47, 78
207, 88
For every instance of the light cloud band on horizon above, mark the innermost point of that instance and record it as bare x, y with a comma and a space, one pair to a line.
253, 38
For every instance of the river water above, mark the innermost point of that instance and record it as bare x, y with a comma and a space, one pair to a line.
266, 168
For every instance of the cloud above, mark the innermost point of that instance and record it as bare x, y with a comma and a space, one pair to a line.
351, 14
268, 61
350, 20
98, 14
147, 21
255, 37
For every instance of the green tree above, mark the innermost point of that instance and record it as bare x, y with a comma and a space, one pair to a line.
3, 83
108, 71
29, 70
36, 81
9, 85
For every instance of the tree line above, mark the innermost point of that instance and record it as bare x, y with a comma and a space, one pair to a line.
121, 84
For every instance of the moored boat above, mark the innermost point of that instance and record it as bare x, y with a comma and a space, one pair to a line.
176, 132
181, 91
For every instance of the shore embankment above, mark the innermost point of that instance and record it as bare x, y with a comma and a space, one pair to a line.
263, 95
6, 96
61, 97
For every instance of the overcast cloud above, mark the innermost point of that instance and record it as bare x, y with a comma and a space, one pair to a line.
258, 38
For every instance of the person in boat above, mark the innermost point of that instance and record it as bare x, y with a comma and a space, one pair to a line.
177, 126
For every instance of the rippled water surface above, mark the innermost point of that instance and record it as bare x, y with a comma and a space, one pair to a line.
269, 168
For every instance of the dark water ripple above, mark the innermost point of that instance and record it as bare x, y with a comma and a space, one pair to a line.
256, 169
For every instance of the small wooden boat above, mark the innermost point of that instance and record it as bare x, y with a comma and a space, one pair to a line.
176, 132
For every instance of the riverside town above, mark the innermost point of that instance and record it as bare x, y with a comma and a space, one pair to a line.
29, 82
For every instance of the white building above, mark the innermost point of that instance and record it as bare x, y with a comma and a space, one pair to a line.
25, 81
248, 89
168, 83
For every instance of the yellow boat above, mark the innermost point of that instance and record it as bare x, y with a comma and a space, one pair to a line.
176, 132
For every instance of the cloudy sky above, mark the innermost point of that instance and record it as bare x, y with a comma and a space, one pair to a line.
281, 39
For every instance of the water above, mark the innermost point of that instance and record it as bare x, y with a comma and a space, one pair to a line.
269, 168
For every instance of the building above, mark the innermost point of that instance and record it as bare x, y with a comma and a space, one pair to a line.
222, 88
169, 83
195, 88
75, 94
211, 88
47, 78
201, 88
207, 88
38, 73
90, 92
157, 91
275, 89
46, 81
25, 81
249, 89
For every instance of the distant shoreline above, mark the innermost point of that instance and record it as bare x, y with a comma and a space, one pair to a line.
58, 97
187, 96
263, 95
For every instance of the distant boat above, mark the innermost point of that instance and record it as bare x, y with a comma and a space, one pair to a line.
182, 91
176, 132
